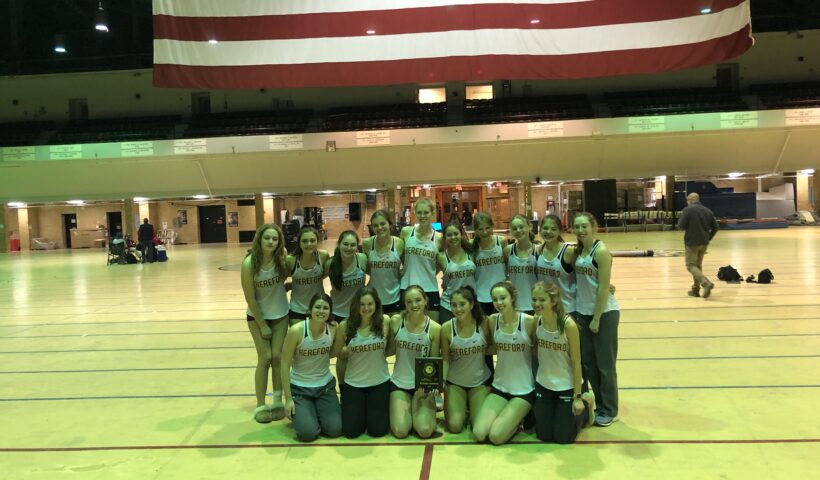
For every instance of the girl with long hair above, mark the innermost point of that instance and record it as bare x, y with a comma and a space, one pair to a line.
310, 389
465, 340
598, 315
263, 274
522, 258
512, 394
365, 383
384, 253
563, 406
488, 254
421, 246
555, 264
414, 334
346, 270
306, 267
458, 269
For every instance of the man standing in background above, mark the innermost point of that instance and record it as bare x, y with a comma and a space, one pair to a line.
145, 236
701, 227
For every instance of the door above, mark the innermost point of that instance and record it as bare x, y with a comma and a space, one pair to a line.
69, 222
114, 220
212, 224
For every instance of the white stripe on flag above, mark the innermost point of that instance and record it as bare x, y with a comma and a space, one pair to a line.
567, 41
250, 8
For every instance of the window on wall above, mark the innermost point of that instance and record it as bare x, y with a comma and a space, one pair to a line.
432, 95
479, 92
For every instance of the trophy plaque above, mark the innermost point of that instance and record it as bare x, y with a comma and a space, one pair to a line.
429, 373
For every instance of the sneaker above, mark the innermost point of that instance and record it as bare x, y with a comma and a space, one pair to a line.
604, 420
693, 293
707, 289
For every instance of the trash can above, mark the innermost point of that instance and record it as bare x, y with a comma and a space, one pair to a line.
14, 244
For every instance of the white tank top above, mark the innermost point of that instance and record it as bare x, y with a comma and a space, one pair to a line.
269, 292
384, 273
489, 270
554, 364
420, 263
351, 282
409, 346
366, 363
311, 364
521, 272
587, 279
455, 276
467, 366
513, 368
556, 272
305, 284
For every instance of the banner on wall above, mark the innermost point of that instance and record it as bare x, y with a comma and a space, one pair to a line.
323, 43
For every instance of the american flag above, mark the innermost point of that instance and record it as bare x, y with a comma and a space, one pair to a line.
322, 43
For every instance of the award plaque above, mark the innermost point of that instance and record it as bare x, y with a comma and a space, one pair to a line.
429, 373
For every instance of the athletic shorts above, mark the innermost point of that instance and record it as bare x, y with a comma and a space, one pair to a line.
396, 388
529, 397
391, 308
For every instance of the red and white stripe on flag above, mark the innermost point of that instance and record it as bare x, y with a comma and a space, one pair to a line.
322, 43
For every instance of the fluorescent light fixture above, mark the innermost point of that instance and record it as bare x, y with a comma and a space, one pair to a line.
535, 21
328, 191
59, 44
426, 186
267, 194
706, 10
735, 174
75, 202
200, 197
16, 204
543, 182
213, 41
371, 190
807, 171
140, 199
371, 32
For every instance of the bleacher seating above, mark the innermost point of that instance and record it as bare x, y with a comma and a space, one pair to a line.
527, 109
671, 102
22, 133
265, 122
116, 130
788, 95
409, 115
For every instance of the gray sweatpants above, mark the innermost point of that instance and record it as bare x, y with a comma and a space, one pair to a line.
599, 351
317, 411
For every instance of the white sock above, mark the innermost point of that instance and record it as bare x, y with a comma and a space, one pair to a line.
277, 397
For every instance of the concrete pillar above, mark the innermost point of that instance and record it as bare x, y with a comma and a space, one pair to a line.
129, 226
269, 210
791, 177
815, 187
145, 212
390, 203
669, 194
25, 231
259, 209
4, 235
528, 200
802, 195
278, 206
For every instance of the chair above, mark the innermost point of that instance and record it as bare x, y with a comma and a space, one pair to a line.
116, 254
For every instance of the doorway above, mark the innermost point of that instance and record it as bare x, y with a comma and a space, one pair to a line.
212, 224
114, 221
69, 222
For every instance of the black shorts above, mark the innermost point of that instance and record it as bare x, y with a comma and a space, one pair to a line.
269, 320
529, 397
297, 316
433, 300
487, 383
396, 388
391, 308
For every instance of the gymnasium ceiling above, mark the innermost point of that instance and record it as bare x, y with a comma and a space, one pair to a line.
28, 27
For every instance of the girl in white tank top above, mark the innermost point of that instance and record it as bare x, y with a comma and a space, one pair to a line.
512, 394
415, 336
346, 270
488, 254
458, 269
555, 261
384, 253
464, 343
307, 272
521, 260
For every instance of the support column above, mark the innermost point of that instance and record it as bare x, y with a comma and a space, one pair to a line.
4, 235
390, 203
669, 194
128, 224
802, 194
815, 187
25, 231
259, 209
278, 206
528, 200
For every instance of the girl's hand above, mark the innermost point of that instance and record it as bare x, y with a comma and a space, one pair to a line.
267, 333
578, 406
595, 325
290, 409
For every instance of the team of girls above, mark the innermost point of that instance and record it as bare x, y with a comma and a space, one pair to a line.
580, 274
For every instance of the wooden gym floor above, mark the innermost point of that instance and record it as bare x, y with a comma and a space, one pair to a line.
145, 371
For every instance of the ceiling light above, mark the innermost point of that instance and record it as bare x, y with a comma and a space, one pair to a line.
100, 19
140, 199
735, 174
328, 191
371, 190
213, 41
16, 204
371, 32
200, 197
807, 171
705, 10
59, 44
535, 21
75, 202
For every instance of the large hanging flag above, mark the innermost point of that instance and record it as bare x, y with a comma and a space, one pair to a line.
322, 43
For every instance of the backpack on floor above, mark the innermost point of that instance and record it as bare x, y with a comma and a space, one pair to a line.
765, 276
729, 274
